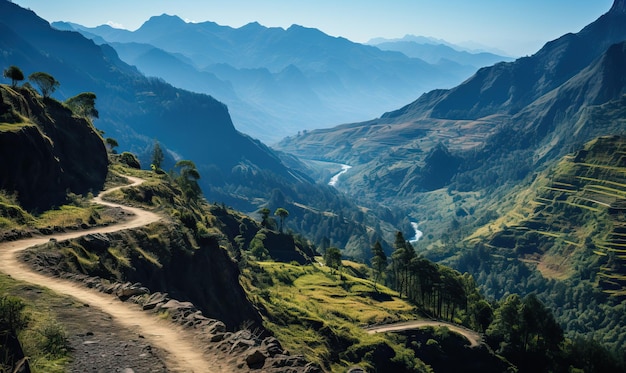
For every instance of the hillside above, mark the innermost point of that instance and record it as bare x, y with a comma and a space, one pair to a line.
561, 237
452, 153
46, 150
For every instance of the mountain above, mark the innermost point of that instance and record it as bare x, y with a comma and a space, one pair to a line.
296, 78
491, 131
441, 53
235, 169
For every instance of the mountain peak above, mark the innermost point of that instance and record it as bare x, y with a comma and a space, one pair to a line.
165, 20
619, 6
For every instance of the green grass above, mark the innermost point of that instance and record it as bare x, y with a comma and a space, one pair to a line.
36, 338
318, 313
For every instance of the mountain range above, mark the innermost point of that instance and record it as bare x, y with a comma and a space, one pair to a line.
440, 52
280, 81
515, 175
493, 130
136, 111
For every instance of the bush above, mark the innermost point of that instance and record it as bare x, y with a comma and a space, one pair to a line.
130, 160
55, 340
12, 316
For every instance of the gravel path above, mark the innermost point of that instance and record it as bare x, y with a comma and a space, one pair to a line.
138, 331
473, 337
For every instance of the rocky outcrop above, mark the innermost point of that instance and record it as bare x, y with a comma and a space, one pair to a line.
46, 151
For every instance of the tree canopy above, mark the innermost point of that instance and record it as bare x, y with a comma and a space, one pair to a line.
332, 257
188, 179
14, 73
282, 215
157, 156
46, 83
83, 104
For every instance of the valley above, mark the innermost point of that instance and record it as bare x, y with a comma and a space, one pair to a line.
478, 224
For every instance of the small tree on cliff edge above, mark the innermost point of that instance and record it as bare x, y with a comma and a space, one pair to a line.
14, 73
46, 83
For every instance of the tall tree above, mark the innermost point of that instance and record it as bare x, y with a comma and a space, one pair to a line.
332, 258
265, 217
282, 215
14, 73
379, 262
83, 104
46, 83
188, 179
157, 156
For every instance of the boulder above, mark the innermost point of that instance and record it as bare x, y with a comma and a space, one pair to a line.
256, 359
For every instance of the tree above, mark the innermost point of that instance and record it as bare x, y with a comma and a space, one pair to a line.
46, 83
83, 104
332, 258
379, 262
14, 73
282, 214
111, 143
265, 217
188, 179
157, 156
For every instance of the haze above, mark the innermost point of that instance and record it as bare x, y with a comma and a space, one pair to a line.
516, 27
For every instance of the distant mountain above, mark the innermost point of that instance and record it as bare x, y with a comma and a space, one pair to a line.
436, 51
493, 130
235, 169
298, 78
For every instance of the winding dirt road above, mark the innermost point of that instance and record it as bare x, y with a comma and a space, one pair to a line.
473, 337
182, 354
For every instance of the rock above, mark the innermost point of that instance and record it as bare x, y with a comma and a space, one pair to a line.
241, 345
174, 305
272, 346
281, 361
217, 337
127, 292
256, 359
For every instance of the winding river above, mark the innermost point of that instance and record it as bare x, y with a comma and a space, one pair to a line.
333, 180
418, 233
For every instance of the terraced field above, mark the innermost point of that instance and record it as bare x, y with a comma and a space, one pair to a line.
576, 209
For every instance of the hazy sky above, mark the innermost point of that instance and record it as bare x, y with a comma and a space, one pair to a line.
518, 27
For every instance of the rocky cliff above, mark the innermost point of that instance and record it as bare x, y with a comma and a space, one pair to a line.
46, 151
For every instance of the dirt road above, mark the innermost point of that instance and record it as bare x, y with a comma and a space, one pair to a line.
182, 354
473, 337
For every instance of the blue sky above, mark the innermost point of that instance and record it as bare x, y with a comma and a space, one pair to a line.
518, 27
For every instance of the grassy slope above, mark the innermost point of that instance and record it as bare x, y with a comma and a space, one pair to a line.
563, 239
319, 313
574, 213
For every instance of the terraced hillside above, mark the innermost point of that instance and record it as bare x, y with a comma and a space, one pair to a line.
573, 213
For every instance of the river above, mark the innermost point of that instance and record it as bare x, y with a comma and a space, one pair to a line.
333, 180
418, 233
